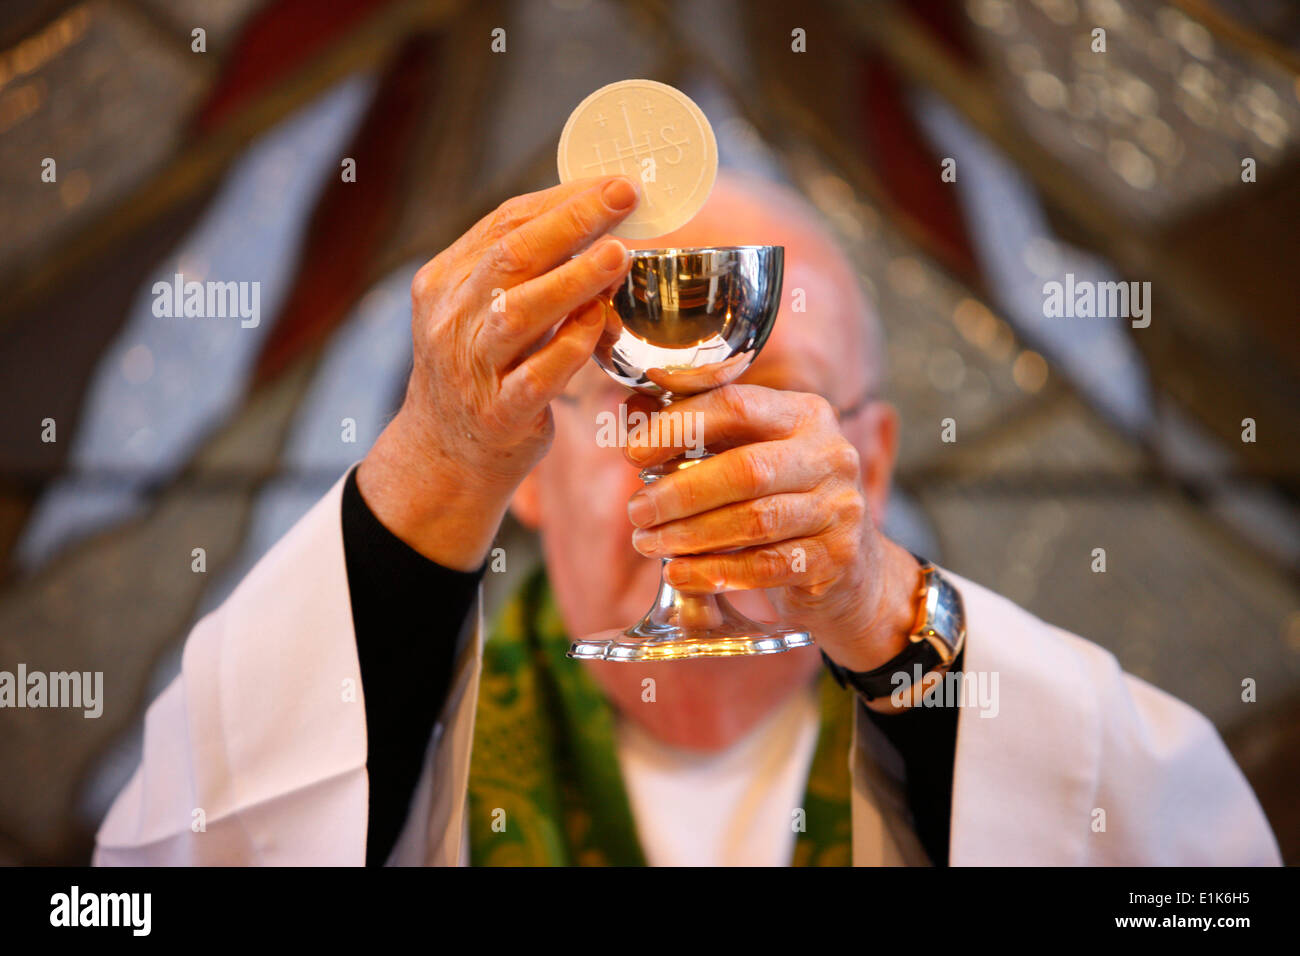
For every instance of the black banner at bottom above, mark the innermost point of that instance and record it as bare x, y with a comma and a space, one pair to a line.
215, 906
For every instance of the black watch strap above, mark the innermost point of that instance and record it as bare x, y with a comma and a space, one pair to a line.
881, 681
918, 658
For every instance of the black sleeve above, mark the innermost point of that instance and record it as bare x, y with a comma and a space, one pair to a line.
409, 615
926, 739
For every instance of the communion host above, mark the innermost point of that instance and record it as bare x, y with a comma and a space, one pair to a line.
349, 705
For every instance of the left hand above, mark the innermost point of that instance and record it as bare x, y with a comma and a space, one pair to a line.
785, 479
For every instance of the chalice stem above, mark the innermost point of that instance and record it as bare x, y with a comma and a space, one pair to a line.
685, 611
688, 615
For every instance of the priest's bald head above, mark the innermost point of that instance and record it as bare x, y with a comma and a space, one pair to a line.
576, 498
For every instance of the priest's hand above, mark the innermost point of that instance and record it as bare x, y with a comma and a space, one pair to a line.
783, 497
501, 320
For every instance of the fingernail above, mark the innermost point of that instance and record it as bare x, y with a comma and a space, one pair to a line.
677, 573
618, 194
641, 510
610, 255
647, 542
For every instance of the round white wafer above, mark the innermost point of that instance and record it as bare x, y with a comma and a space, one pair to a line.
657, 137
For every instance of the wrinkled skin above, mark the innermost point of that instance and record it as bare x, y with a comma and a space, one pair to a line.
787, 473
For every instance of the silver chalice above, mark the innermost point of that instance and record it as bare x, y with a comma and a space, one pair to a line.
682, 322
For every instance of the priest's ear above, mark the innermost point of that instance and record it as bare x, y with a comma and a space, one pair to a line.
526, 505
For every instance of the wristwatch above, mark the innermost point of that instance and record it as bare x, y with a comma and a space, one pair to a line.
937, 637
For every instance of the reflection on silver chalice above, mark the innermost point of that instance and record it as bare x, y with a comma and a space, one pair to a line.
684, 321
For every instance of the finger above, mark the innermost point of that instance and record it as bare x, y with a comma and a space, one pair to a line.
508, 216
545, 374
689, 381
527, 311
745, 524
735, 415
738, 474
543, 242
789, 563
641, 402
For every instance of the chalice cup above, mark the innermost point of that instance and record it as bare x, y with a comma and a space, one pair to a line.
685, 321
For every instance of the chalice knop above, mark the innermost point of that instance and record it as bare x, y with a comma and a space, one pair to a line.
684, 321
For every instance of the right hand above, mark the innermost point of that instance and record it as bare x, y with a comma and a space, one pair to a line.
476, 416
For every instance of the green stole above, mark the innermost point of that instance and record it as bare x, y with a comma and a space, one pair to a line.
545, 787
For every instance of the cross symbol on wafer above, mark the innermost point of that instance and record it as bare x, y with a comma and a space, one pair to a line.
664, 142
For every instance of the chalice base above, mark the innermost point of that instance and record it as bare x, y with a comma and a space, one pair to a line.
685, 626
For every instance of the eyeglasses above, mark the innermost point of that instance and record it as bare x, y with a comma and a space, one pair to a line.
855, 406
